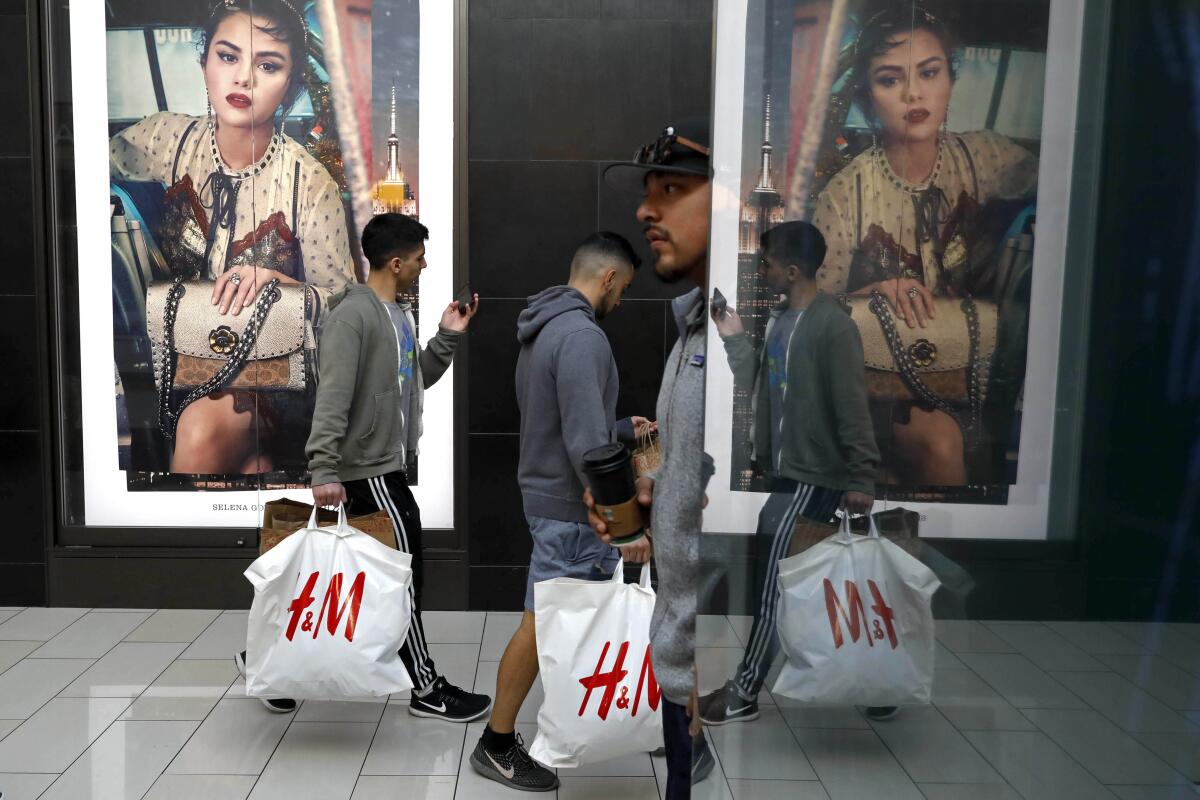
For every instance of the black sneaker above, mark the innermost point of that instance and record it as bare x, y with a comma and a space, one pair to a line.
515, 768
448, 702
727, 705
702, 761
279, 705
882, 713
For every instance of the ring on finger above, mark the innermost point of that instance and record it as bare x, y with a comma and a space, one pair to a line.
913, 292
235, 279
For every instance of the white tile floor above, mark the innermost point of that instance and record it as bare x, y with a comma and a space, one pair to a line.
142, 704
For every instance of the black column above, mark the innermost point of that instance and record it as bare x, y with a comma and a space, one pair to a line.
25, 494
556, 91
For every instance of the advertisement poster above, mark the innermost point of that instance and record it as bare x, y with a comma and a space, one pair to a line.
241, 145
930, 144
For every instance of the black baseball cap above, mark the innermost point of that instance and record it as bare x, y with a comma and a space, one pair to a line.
681, 149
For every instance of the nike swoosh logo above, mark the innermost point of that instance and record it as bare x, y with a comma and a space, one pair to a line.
730, 710
441, 709
507, 773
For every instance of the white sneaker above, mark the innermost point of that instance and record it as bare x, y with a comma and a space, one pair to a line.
277, 705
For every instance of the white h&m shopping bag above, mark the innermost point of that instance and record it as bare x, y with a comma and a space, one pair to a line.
593, 641
855, 622
331, 610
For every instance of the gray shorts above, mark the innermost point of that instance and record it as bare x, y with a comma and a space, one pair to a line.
566, 550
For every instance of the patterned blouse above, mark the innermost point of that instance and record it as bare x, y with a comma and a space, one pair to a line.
286, 188
867, 206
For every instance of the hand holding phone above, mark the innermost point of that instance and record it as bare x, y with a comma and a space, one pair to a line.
720, 305
465, 298
727, 321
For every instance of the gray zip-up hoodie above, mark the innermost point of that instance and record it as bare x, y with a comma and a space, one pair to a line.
827, 437
356, 425
567, 392
678, 501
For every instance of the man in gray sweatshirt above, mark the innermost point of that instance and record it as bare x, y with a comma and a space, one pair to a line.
367, 421
567, 393
672, 175
812, 435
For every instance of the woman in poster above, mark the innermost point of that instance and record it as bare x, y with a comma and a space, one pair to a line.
245, 205
907, 217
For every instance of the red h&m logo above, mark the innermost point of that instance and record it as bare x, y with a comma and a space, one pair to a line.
611, 681
332, 603
856, 620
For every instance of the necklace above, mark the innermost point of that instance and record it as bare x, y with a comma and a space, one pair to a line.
884, 167
225, 184
250, 171
883, 164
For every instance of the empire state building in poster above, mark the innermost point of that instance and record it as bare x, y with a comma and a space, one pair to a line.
393, 194
763, 209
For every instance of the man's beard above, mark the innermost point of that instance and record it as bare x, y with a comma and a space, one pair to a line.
604, 308
673, 273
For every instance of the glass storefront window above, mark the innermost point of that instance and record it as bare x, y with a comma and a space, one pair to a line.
903, 197
935, 213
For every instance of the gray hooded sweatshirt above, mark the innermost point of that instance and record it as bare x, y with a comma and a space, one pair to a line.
567, 393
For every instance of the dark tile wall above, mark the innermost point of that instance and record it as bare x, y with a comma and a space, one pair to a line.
23, 493
557, 89
1140, 478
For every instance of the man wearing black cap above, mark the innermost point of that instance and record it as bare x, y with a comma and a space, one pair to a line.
672, 174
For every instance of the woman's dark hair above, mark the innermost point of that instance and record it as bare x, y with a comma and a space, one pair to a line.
798, 243
881, 31
283, 23
388, 236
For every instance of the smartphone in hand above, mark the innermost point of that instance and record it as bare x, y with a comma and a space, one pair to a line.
465, 298
720, 306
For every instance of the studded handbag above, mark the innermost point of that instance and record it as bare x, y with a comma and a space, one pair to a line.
202, 351
943, 365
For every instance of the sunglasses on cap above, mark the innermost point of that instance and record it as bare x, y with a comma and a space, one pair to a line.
659, 151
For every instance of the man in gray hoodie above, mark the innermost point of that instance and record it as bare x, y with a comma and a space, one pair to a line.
567, 393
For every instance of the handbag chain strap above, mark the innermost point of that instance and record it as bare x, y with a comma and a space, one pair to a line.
908, 370
974, 368
168, 420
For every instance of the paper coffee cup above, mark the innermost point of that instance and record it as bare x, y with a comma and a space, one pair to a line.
609, 472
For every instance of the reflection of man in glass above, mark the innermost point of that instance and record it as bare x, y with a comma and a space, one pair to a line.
245, 204
913, 218
812, 434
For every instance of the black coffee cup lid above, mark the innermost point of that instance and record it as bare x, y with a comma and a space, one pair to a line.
605, 455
